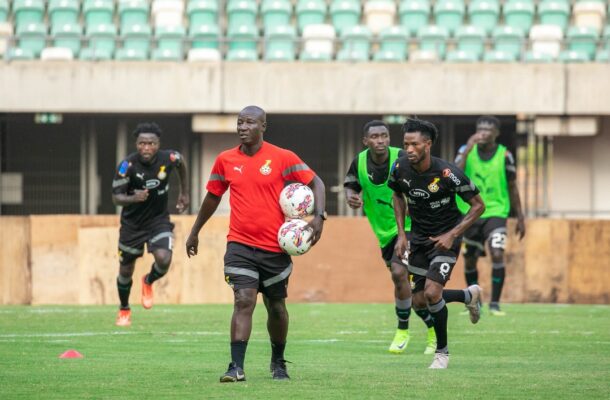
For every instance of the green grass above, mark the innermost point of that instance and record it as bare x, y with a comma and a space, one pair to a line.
338, 351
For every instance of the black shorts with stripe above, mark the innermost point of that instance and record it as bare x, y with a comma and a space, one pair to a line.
428, 262
157, 235
248, 267
388, 254
483, 230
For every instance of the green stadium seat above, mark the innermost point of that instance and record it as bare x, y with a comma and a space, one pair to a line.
133, 13
356, 44
603, 55
606, 38
205, 37
583, 39
32, 37
519, 14
242, 43
280, 43
554, 12
63, 12
67, 36
536, 57
102, 41
312, 56
310, 12
499, 56
509, 40
569, 56
461, 56
19, 54
170, 43
167, 55
3, 10
202, 12
98, 12
392, 44
484, 14
433, 38
136, 42
414, 14
449, 14
90, 54
28, 12
345, 14
276, 13
241, 13
471, 39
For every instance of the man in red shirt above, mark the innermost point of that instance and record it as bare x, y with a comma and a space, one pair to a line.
256, 171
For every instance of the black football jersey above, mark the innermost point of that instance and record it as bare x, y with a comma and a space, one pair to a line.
430, 195
132, 174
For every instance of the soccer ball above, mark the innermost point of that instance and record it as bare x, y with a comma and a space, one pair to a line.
296, 200
294, 238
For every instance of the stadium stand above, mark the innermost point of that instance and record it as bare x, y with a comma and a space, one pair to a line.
356, 44
276, 13
414, 14
280, 43
379, 15
345, 14
392, 44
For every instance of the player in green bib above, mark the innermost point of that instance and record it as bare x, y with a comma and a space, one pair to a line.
366, 186
491, 167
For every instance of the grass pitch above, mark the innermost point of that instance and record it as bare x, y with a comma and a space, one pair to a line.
338, 351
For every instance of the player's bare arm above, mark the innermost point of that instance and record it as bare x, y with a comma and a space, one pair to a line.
515, 204
445, 241
208, 207
319, 195
460, 159
400, 212
124, 199
353, 198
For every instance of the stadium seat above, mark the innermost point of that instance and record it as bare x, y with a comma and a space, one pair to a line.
195, 55
63, 12
535, 57
433, 38
241, 13
310, 12
345, 14
519, 14
603, 55
280, 43
424, 56
3, 10
379, 15
509, 40
28, 12
589, 13
499, 56
19, 54
569, 56
276, 13
102, 42
170, 43
6, 31
414, 14
56, 54
484, 14
356, 44
242, 43
606, 38
318, 42
133, 13
449, 14
583, 40
167, 12
205, 37
546, 39
136, 42
202, 12
392, 44
32, 37
67, 36
98, 12
554, 12
471, 39
461, 56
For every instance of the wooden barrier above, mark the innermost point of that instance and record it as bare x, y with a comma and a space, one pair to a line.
71, 259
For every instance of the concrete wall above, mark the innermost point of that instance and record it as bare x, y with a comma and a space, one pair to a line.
435, 88
73, 260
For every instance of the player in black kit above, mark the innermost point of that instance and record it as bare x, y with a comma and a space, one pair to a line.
429, 186
141, 186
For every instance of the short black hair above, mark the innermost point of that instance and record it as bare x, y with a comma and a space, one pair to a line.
490, 119
419, 125
375, 122
147, 127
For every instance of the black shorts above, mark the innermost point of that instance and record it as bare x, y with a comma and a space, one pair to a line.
387, 253
426, 262
158, 235
492, 230
248, 267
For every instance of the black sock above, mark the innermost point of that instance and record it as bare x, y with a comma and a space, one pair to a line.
277, 351
454, 295
238, 352
472, 277
424, 314
155, 273
497, 281
124, 290
403, 312
439, 314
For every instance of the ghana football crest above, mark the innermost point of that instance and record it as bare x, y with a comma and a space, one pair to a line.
162, 174
266, 169
433, 186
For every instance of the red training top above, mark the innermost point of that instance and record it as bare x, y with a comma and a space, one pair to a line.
256, 182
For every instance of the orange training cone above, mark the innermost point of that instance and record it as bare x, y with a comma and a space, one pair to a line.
71, 354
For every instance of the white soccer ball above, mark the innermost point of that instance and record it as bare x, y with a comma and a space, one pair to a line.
294, 238
296, 200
